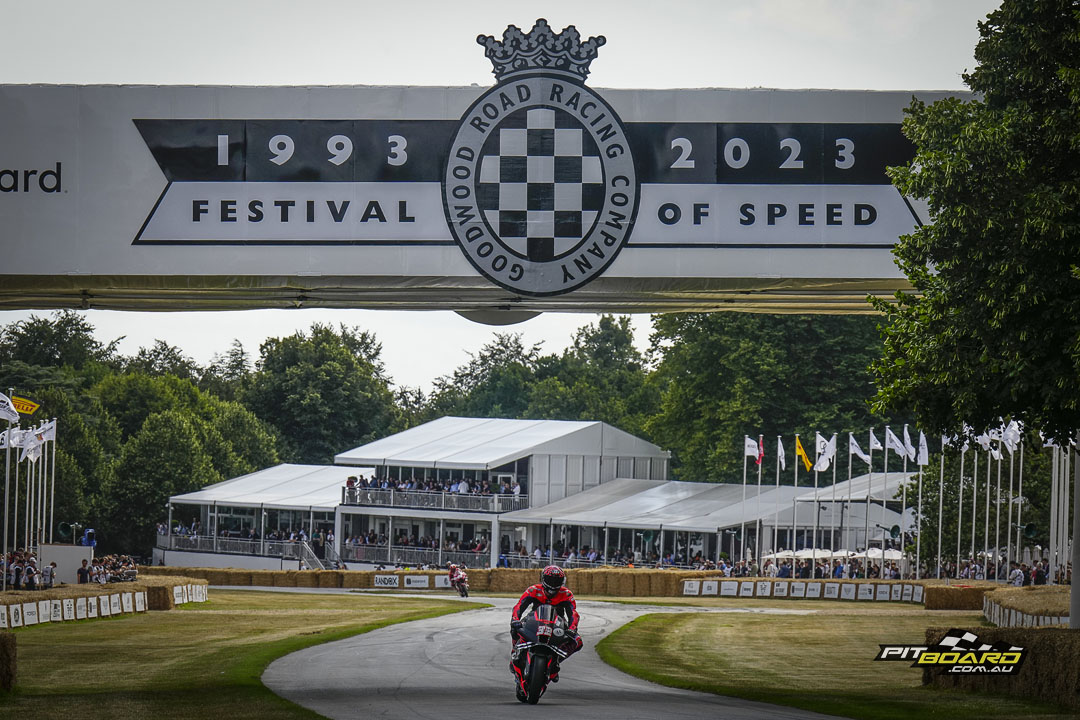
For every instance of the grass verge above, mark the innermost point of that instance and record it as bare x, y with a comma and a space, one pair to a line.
191, 663
820, 662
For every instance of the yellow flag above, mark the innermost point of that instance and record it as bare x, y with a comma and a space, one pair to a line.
800, 453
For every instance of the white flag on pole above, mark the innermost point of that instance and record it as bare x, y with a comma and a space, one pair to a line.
909, 448
750, 447
875, 444
826, 452
780, 454
854, 449
7, 409
924, 453
893, 443
1011, 436
31, 445
48, 431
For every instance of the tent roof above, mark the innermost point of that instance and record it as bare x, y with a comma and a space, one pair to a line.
878, 486
695, 507
282, 486
459, 443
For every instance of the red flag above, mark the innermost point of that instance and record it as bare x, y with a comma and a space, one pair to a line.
760, 448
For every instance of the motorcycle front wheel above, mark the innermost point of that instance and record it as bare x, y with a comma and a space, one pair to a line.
537, 678
464, 591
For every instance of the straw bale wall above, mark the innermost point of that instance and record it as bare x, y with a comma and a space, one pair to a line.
1050, 671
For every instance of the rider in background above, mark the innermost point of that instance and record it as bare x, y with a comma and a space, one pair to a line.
551, 590
454, 574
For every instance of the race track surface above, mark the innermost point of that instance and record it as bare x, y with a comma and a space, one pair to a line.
455, 667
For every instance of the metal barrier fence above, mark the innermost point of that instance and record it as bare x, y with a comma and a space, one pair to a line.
269, 548
408, 555
433, 500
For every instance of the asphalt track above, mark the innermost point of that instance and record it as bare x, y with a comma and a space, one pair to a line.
455, 667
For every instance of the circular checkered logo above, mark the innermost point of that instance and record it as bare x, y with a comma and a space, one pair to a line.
540, 190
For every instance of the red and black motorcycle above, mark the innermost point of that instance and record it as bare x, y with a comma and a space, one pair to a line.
461, 583
538, 651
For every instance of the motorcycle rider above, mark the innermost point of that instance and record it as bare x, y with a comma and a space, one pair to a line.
454, 573
551, 590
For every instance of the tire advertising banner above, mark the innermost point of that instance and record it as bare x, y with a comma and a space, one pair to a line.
539, 192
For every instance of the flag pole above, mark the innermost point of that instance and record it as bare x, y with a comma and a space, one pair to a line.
776, 502
903, 501
1020, 507
974, 505
885, 499
817, 507
986, 520
1009, 499
7, 492
52, 489
742, 505
794, 506
15, 500
960, 508
1055, 513
29, 493
941, 506
832, 510
997, 518
843, 533
757, 500
869, 497
918, 530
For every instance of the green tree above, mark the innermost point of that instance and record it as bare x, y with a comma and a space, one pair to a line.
993, 328
494, 383
725, 375
65, 339
163, 359
324, 391
164, 458
227, 374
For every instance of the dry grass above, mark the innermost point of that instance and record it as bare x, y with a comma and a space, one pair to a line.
821, 661
196, 662
1050, 600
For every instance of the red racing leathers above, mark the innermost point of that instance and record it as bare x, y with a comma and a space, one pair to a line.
454, 575
562, 600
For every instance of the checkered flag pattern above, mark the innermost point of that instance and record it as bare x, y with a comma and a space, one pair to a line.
962, 641
541, 184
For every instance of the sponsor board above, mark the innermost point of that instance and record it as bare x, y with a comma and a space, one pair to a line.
729, 588
127, 602
847, 591
140, 602
710, 587
882, 592
866, 591
691, 587
764, 588
386, 581
917, 594
907, 594
442, 581
103, 606
813, 590
416, 581
178, 595
69, 609
57, 611
3, 616
896, 592
780, 589
798, 589
91, 607
30, 613
80, 608
44, 611
15, 616
746, 588
114, 604
832, 591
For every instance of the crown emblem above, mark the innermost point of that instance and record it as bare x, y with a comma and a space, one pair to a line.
541, 49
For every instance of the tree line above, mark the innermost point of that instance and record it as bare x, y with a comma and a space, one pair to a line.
135, 429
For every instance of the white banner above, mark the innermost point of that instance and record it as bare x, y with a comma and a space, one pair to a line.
386, 581
69, 609
813, 590
691, 587
746, 588
710, 587
416, 581
832, 591
729, 588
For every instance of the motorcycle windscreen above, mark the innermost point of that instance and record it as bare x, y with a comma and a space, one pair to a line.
546, 613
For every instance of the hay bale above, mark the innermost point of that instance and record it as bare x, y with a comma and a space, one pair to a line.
642, 583
261, 578
160, 597
940, 597
8, 661
479, 579
356, 579
599, 581
658, 583
305, 578
1045, 675
282, 578
329, 578
580, 581
621, 583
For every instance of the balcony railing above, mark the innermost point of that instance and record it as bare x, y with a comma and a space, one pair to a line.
415, 556
268, 548
433, 500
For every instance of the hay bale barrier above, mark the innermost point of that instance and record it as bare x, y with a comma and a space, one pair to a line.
1048, 674
8, 661
159, 595
955, 597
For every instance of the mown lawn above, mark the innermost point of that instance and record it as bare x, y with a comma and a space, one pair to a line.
198, 662
821, 662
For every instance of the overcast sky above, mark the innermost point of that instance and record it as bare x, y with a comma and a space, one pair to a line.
847, 44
